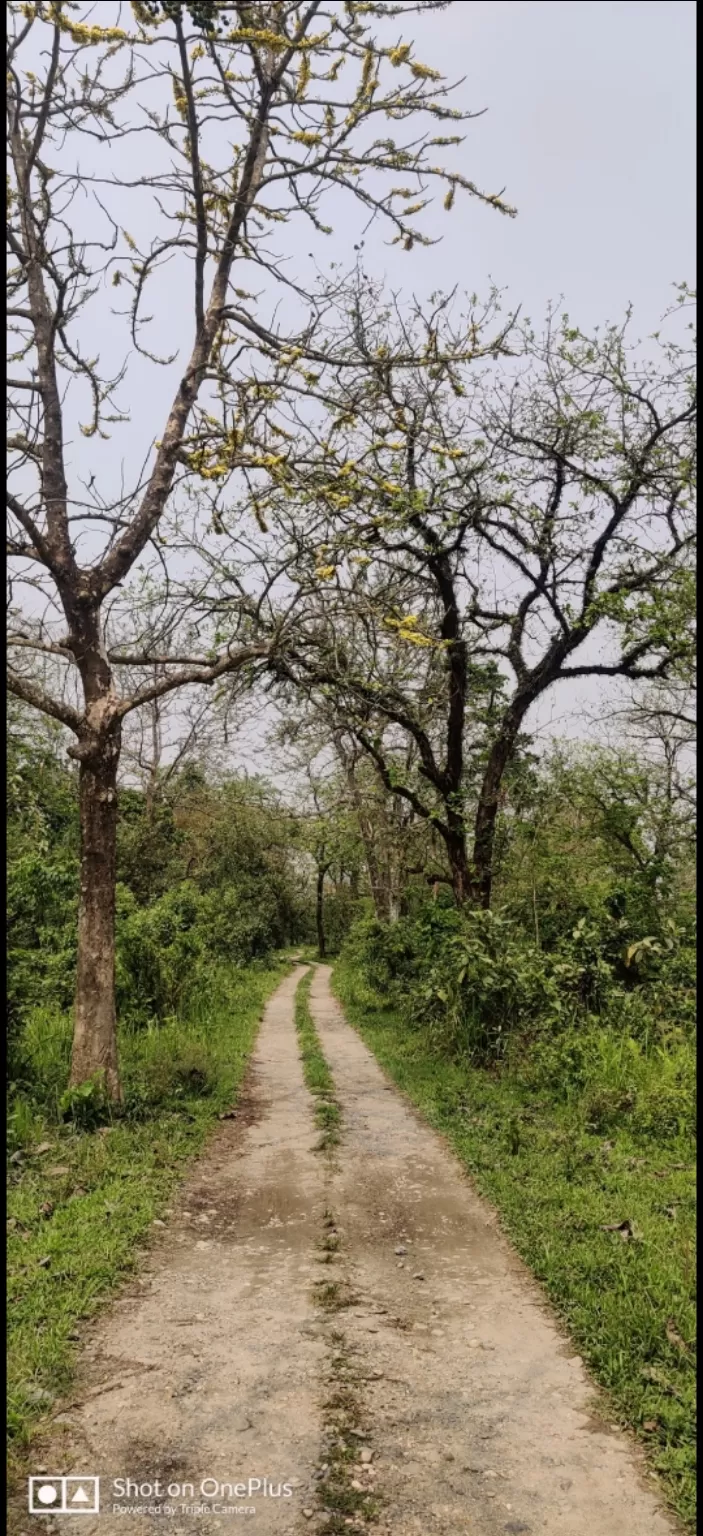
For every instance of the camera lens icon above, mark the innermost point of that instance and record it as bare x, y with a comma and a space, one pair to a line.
64, 1495
48, 1493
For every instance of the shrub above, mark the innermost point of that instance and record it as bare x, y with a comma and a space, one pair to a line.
475, 983
87, 1105
467, 977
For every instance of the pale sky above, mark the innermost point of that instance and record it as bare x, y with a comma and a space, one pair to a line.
590, 127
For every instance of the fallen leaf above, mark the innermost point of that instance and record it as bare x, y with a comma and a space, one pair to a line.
44, 1146
650, 1425
623, 1227
58, 1171
675, 1338
44, 1263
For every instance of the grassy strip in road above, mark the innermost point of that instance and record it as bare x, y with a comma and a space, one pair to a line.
344, 1497
318, 1077
81, 1203
605, 1223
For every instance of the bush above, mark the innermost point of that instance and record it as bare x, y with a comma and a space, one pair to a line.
341, 910
158, 948
163, 948
466, 978
479, 988
42, 909
87, 1105
387, 954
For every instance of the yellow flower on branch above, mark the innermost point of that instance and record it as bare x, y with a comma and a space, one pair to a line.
423, 72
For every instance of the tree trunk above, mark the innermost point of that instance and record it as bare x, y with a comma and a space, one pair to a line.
461, 879
487, 812
95, 1024
320, 914
372, 864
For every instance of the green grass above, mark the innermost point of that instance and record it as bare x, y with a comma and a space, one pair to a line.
318, 1077
308, 954
80, 1211
557, 1182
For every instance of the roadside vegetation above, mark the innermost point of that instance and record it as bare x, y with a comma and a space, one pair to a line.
563, 1075
83, 1194
205, 916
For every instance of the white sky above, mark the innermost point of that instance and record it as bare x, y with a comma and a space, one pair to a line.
590, 128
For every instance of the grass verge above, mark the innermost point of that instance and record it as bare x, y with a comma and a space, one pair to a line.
316, 1072
80, 1203
606, 1223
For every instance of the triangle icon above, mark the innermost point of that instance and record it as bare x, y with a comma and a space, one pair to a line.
80, 1497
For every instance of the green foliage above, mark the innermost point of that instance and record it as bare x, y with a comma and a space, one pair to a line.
150, 848
206, 878
467, 980
341, 910
626, 825
42, 871
87, 1104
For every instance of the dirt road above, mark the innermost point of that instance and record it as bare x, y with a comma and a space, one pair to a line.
351, 1330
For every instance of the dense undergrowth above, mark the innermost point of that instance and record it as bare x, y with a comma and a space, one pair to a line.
570, 1097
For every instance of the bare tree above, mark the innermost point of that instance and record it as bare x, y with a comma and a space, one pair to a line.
213, 125
535, 517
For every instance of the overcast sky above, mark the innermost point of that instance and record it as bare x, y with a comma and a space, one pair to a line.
589, 127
